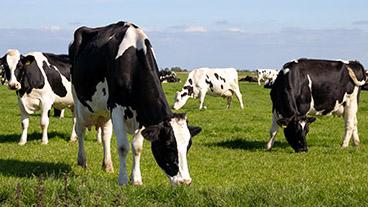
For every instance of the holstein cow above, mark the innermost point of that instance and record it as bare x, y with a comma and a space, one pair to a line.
115, 75
41, 80
269, 75
167, 76
319, 87
216, 81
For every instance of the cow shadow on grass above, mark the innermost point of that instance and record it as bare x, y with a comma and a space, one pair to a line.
14, 137
18, 168
243, 144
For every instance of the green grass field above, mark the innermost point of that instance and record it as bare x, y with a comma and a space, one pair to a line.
228, 161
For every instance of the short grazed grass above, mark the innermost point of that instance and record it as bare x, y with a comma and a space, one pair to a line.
228, 163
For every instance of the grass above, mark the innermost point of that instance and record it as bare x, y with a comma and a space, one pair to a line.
228, 163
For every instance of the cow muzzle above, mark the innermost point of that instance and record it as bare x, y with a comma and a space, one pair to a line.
14, 86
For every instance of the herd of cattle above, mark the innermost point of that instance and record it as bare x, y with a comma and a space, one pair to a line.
110, 80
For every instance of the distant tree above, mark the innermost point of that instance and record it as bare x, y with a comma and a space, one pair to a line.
175, 69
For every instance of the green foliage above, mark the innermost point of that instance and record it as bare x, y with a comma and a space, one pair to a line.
228, 161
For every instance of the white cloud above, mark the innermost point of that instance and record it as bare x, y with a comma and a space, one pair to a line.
53, 28
195, 29
233, 29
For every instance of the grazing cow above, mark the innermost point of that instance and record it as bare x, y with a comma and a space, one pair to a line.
216, 81
114, 74
167, 76
266, 74
41, 80
308, 86
249, 79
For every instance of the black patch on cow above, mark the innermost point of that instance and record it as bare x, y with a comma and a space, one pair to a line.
190, 81
209, 83
190, 89
128, 114
30, 77
223, 79
207, 76
61, 62
104, 91
184, 94
54, 78
222, 87
217, 76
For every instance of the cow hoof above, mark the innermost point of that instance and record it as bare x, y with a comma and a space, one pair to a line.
44, 142
344, 146
137, 183
21, 143
356, 143
108, 168
82, 164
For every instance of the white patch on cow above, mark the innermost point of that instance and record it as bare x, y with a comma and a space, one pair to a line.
344, 61
312, 110
12, 58
98, 101
182, 136
302, 123
134, 37
295, 61
285, 70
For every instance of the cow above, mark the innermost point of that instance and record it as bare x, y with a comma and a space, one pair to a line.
309, 87
216, 81
41, 80
248, 79
266, 75
115, 82
167, 76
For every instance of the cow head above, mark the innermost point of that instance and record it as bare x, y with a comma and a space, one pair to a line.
296, 130
14, 65
170, 142
182, 97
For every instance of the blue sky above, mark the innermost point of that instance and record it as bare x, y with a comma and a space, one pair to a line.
194, 33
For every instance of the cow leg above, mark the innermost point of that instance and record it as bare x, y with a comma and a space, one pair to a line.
137, 147
62, 113
80, 131
202, 95
25, 125
44, 122
273, 132
356, 139
229, 99
239, 97
122, 141
98, 134
73, 136
106, 139
350, 111
259, 80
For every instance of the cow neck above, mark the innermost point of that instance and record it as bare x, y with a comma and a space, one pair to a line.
152, 107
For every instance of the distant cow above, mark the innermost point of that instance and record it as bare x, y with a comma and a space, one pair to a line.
115, 75
216, 81
41, 80
319, 87
167, 76
266, 74
249, 79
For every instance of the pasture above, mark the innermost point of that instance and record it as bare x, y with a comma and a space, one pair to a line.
228, 161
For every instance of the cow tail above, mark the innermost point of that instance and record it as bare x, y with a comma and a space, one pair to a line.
354, 78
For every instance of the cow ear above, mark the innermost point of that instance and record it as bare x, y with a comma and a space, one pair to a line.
151, 133
283, 122
311, 119
27, 60
194, 130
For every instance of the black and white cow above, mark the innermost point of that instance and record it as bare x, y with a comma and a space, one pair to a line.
268, 75
167, 76
115, 75
319, 87
41, 80
221, 82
